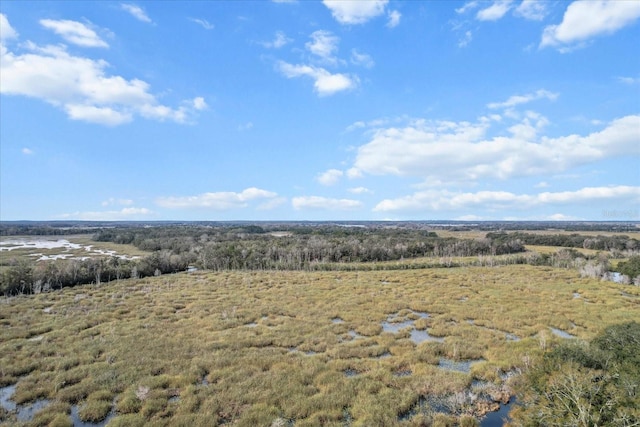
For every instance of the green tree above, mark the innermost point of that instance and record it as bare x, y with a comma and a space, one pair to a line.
585, 384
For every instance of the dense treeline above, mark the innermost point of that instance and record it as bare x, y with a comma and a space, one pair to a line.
247, 247
594, 383
601, 243
175, 247
251, 247
26, 276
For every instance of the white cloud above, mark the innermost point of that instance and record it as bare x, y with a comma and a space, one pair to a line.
465, 39
123, 214
330, 177
136, 12
533, 10
467, 7
444, 200
542, 184
355, 11
325, 83
523, 99
279, 41
74, 32
363, 59
324, 44
394, 19
219, 201
113, 201
203, 23
354, 173
6, 30
360, 190
81, 87
494, 12
461, 151
27, 151
101, 115
629, 80
323, 203
199, 103
587, 19
562, 217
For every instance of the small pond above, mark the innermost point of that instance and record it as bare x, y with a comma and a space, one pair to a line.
498, 418
393, 325
26, 412
561, 333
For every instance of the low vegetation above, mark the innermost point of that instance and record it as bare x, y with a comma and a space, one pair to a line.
273, 348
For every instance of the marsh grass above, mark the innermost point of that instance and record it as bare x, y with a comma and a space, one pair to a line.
258, 348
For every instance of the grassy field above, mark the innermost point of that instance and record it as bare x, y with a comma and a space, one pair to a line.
278, 348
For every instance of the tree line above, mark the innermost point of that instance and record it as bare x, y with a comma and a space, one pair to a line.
600, 243
176, 247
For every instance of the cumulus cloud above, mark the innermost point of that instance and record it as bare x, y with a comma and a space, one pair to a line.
444, 200
494, 12
584, 20
199, 103
523, 99
462, 151
533, 10
27, 151
279, 41
355, 11
102, 115
82, 88
394, 19
74, 32
223, 200
6, 30
330, 177
114, 215
325, 83
323, 44
137, 12
324, 203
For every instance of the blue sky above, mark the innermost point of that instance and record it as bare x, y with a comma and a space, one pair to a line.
320, 110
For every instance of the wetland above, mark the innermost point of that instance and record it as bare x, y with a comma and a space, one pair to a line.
418, 346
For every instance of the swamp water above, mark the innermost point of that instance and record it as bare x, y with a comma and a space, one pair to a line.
394, 326
25, 413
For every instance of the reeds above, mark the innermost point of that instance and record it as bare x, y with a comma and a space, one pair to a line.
261, 348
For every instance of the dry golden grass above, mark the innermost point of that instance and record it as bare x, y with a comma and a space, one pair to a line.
262, 348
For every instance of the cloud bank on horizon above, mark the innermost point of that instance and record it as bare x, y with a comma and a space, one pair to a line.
332, 110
